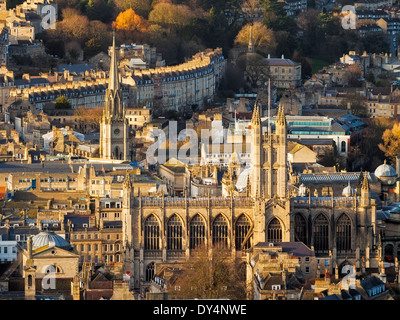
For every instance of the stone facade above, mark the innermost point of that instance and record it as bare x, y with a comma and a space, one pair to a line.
114, 129
167, 229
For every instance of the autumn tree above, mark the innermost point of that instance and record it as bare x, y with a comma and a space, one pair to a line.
141, 7
171, 16
263, 38
213, 276
88, 117
75, 27
128, 20
250, 6
391, 143
354, 75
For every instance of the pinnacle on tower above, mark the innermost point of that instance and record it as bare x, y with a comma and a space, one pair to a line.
365, 184
127, 181
256, 120
280, 118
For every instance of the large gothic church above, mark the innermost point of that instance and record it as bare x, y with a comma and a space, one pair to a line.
166, 229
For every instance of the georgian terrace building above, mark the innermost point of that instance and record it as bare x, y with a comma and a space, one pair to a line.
89, 94
177, 87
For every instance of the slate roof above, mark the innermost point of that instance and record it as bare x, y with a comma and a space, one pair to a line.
371, 282
334, 177
298, 249
75, 68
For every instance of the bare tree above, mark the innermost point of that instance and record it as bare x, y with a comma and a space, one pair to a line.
213, 275
256, 69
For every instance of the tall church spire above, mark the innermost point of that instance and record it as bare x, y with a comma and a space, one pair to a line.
251, 40
113, 100
113, 80
114, 130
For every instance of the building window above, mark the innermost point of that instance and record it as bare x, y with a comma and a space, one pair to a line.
220, 232
174, 233
151, 234
343, 144
321, 233
300, 229
197, 232
242, 235
274, 231
150, 271
343, 233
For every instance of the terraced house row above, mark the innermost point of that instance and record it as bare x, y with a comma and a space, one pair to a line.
174, 88
178, 87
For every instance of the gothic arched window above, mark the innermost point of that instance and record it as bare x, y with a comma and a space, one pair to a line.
151, 234
174, 233
220, 232
150, 271
343, 233
343, 145
242, 228
197, 232
300, 229
274, 231
321, 233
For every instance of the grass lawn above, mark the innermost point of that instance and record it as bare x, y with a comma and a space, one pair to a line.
317, 64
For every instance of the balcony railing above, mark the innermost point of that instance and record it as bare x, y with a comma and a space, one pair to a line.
176, 254
153, 253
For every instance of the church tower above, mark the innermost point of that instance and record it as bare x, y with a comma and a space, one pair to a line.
256, 154
114, 129
281, 141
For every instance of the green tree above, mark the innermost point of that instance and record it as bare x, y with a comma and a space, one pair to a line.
99, 10
273, 10
63, 103
375, 42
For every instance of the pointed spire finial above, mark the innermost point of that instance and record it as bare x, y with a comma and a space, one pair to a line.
251, 41
256, 119
365, 185
113, 81
280, 118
